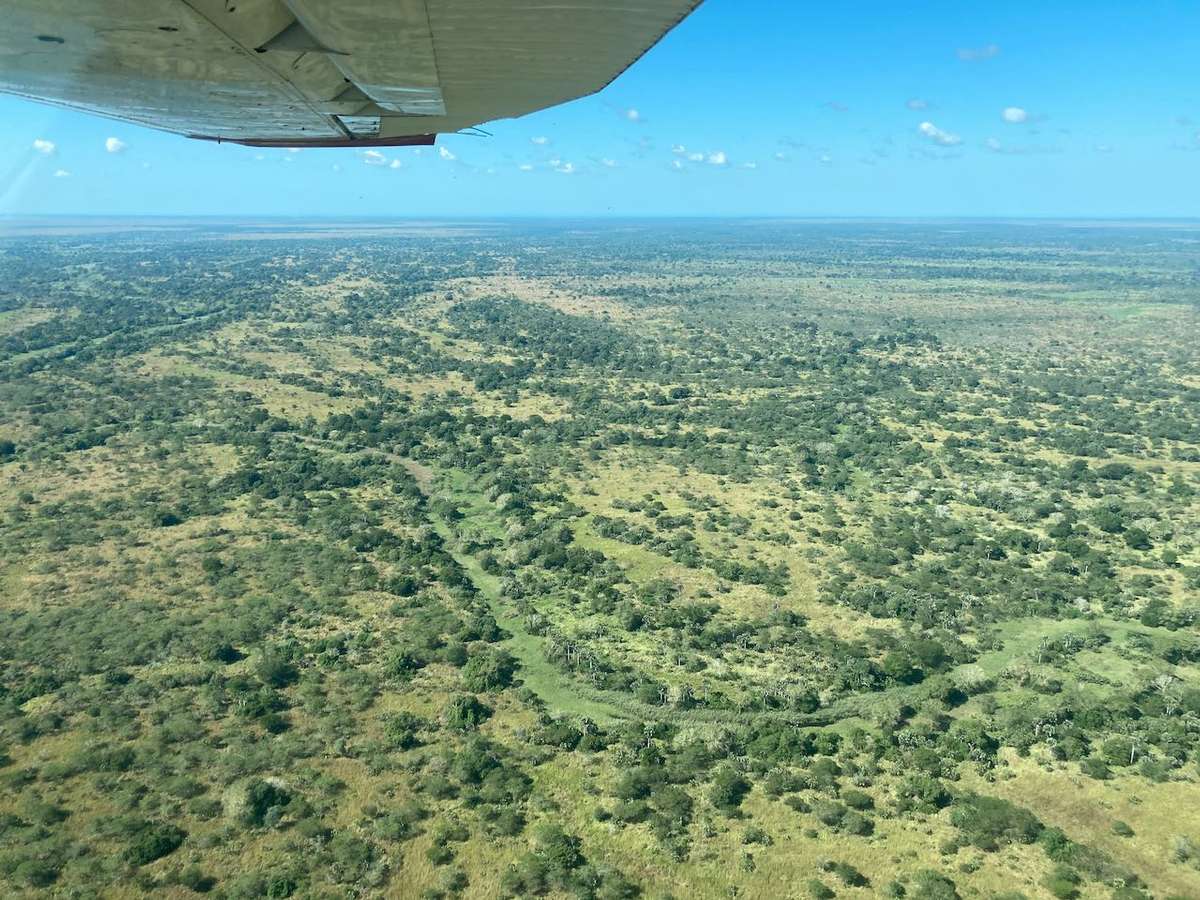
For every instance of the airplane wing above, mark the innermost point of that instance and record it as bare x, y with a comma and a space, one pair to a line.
321, 72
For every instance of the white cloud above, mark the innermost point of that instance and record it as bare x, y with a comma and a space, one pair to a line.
61, 173
540, 140
395, 164
997, 146
608, 163
749, 165
633, 115
825, 159
935, 134
564, 168
677, 165
114, 145
679, 150
44, 147
1107, 148
445, 154
1014, 115
718, 158
974, 54
259, 157
696, 157
781, 156
374, 158
916, 103
525, 167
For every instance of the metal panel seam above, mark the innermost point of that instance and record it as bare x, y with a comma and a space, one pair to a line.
331, 121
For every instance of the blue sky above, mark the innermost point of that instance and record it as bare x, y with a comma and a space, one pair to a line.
750, 107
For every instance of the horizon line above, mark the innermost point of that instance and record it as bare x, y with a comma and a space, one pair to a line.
745, 217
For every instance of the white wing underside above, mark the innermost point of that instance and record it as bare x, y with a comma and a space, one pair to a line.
321, 71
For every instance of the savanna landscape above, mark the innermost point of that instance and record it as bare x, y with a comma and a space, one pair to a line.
664, 559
